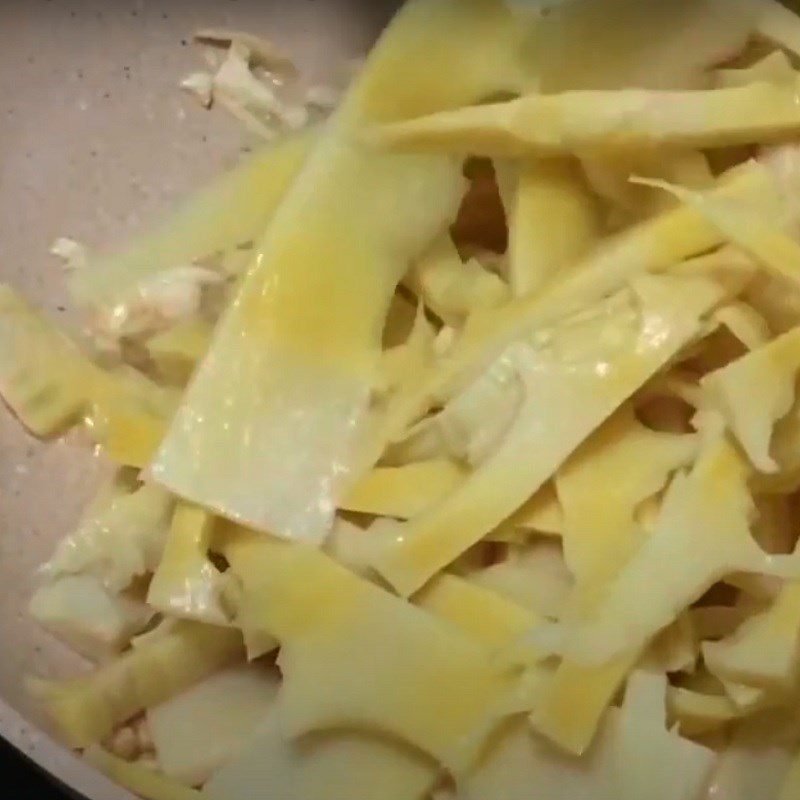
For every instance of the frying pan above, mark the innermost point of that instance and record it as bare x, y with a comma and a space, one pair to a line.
95, 140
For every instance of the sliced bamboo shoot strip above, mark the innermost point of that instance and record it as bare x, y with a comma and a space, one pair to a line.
606, 121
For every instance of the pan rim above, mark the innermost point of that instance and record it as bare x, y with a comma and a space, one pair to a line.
55, 759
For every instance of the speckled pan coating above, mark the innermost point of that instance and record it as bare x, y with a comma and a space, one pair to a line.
96, 139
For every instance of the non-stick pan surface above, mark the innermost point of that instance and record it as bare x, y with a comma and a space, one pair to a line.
95, 140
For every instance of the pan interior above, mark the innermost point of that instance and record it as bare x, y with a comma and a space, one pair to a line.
96, 140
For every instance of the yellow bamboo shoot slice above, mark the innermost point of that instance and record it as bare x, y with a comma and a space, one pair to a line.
609, 175
177, 350
355, 655
198, 731
143, 781
577, 699
46, 387
81, 612
542, 513
553, 221
676, 648
87, 709
519, 765
652, 246
119, 538
533, 576
253, 411
573, 383
755, 762
652, 760
641, 43
421, 65
756, 391
186, 583
401, 364
474, 422
232, 210
791, 784
746, 698
307, 321
50, 385
335, 765
764, 651
778, 24
406, 491
775, 67
697, 713
745, 323
769, 297
702, 535
451, 288
599, 532
479, 612
600, 535
635, 752
606, 121
755, 230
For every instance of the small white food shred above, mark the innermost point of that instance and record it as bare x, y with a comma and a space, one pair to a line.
257, 84
71, 252
200, 84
